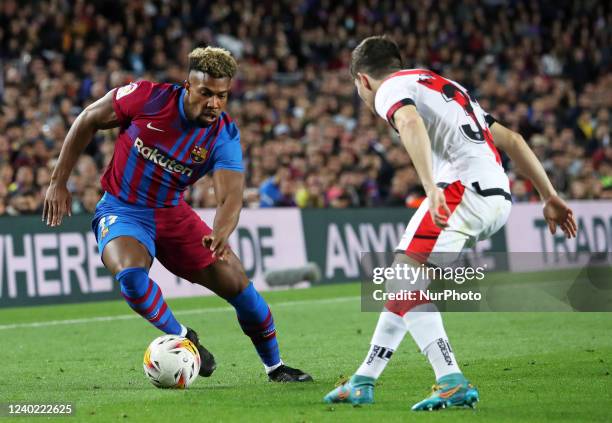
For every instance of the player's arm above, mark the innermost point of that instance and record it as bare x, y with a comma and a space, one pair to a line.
414, 136
556, 212
229, 185
98, 115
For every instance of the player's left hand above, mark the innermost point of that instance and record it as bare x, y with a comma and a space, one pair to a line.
556, 212
438, 208
218, 245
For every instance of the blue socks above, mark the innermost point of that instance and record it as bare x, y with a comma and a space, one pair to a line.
145, 298
257, 323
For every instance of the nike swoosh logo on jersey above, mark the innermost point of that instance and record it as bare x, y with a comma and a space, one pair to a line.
153, 128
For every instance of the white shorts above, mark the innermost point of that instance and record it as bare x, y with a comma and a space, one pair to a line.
473, 217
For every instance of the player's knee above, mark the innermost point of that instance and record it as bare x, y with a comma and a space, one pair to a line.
125, 253
117, 267
236, 280
232, 289
133, 281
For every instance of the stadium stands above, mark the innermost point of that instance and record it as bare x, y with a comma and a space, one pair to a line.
307, 140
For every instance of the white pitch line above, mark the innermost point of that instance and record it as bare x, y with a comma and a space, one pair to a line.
178, 313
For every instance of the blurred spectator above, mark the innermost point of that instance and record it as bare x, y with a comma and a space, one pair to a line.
522, 191
90, 198
251, 198
270, 194
540, 68
3, 199
23, 196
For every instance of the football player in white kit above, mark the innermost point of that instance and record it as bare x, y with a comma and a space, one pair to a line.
452, 143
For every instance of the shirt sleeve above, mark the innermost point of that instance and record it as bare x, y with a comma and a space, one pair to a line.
228, 155
490, 119
392, 95
129, 100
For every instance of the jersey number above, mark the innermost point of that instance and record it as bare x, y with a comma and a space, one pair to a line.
450, 92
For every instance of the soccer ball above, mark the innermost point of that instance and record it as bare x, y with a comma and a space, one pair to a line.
171, 361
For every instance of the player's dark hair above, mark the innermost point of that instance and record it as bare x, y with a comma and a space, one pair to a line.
376, 56
216, 62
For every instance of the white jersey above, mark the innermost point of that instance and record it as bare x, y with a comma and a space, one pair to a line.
461, 142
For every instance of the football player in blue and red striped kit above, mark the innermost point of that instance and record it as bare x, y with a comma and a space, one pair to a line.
171, 136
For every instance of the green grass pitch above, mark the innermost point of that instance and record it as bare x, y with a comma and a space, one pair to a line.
529, 367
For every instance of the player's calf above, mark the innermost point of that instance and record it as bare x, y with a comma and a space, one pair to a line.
144, 296
257, 323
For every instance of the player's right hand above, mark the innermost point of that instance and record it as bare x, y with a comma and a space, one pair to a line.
58, 203
556, 212
217, 244
438, 208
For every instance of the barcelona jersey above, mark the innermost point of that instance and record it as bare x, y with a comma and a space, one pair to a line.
158, 152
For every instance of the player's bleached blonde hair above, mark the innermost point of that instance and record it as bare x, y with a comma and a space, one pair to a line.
215, 61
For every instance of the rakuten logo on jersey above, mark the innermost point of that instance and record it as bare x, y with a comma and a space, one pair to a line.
154, 155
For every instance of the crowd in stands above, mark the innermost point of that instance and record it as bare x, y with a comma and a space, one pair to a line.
541, 68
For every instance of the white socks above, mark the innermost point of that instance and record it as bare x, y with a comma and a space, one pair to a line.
425, 325
272, 368
388, 334
441, 357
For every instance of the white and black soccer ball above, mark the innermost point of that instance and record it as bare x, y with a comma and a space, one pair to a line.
172, 361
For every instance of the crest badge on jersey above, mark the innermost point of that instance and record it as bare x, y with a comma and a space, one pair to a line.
198, 154
125, 90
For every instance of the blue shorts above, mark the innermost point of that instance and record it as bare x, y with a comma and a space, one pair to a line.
171, 234
114, 218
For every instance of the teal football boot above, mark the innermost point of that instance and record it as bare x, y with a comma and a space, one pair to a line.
357, 390
452, 390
